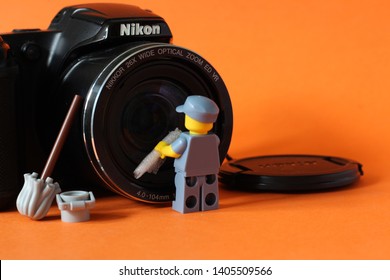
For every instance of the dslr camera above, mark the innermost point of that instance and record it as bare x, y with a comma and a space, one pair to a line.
120, 59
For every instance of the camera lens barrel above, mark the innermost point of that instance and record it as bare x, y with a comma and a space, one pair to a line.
130, 106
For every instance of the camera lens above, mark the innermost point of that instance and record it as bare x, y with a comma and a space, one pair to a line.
149, 113
131, 95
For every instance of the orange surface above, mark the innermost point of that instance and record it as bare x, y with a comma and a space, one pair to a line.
304, 77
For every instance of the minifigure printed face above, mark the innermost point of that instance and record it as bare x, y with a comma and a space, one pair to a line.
196, 127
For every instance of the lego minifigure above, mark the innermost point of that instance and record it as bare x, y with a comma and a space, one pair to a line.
196, 157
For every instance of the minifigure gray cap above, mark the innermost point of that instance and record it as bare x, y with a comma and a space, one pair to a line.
200, 108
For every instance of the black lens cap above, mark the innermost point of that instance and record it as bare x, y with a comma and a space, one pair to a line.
290, 173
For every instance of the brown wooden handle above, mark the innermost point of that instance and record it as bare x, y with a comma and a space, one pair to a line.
62, 135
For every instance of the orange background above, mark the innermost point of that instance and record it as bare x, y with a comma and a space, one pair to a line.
304, 77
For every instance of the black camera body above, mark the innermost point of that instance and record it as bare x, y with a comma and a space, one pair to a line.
120, 59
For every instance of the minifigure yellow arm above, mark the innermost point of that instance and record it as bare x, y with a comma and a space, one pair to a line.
166, 150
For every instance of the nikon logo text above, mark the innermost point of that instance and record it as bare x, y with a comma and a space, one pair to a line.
136, 29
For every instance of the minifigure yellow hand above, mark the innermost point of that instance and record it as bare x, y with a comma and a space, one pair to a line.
159, 147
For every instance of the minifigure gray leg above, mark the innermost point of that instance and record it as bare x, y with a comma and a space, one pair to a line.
187, 194
210, 193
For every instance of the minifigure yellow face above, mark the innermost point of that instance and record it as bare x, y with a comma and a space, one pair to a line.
196, 127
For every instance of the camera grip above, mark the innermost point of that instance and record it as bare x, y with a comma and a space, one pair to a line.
9, 169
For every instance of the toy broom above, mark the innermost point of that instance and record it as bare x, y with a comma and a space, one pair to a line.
37, 195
